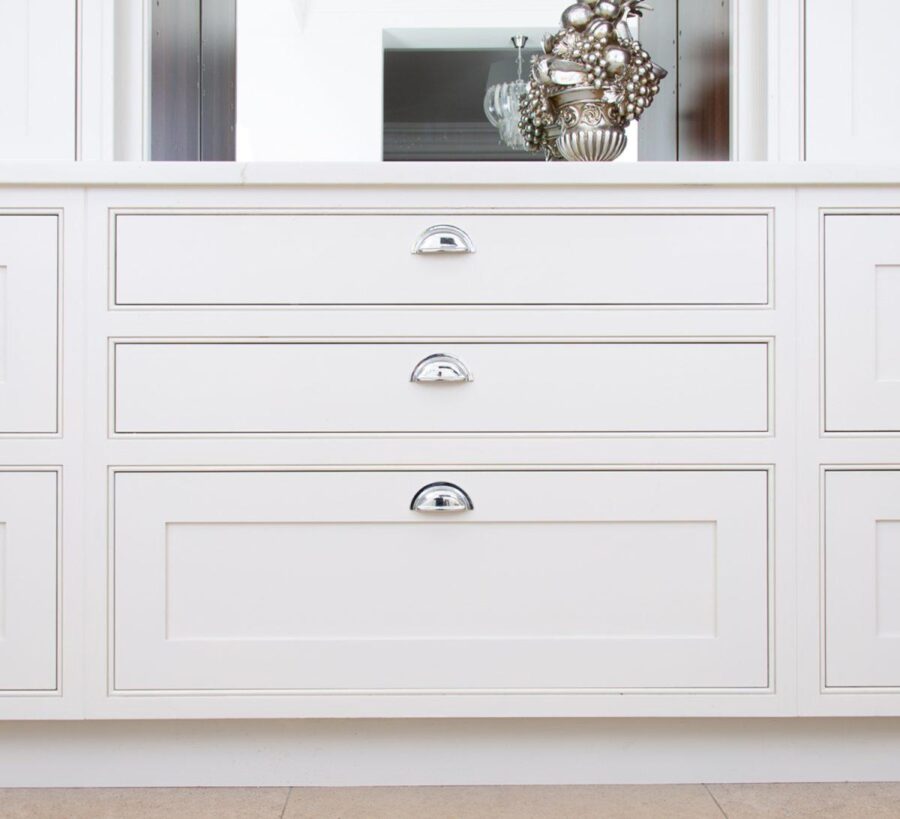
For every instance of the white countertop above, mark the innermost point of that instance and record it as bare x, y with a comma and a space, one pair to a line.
648, 174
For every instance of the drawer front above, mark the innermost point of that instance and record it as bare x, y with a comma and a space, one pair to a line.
862, 579
304, 259
28, 586
862, 323
29, 284
329, 581
293, 387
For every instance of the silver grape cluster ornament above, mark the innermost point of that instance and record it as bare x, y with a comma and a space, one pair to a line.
592, 81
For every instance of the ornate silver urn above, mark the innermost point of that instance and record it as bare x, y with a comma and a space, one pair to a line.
592, 81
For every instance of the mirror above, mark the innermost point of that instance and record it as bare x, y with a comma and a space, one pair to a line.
399, 80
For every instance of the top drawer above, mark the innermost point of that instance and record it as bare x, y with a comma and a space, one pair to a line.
266, 258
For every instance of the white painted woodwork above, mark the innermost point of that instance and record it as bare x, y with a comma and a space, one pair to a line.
285, 387
37, 79
328, 581
29, 284
648, 187
851, 80
521, 258
862, 323
819, 610
349, 753
862, 581
28, 581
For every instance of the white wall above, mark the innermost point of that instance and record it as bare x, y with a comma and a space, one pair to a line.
37, 79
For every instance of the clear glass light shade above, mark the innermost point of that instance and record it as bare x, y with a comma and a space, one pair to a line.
501, 107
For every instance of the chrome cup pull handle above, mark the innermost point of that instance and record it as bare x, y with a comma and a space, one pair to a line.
441, 369
441, 498
443, 239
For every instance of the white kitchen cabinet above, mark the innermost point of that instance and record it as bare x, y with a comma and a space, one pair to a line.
38, 79
312, 581
851, 82
862, 328
862, 579
237, 539
29, 318
28, 581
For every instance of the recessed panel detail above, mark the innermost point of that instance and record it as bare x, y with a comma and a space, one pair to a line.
888, 566
888, 320
301, 581
29, 322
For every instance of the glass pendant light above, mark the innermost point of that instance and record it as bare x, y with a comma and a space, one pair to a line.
501, 102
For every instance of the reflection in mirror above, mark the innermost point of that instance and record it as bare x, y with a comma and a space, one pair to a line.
193, 74
372, 80
434, 105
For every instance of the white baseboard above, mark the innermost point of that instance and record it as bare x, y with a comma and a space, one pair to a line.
363, 752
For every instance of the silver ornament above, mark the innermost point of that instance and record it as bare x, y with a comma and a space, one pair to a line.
599, 28
577, 16
617, 60
541, 70
623, 32
608, 10
593, 80
568, 72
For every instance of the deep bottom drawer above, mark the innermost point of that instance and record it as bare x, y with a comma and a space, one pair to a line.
261, 581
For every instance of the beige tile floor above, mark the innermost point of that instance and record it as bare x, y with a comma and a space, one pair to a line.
855, 801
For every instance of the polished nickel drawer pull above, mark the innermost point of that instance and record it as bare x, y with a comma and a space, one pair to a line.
442, 498
444, 239
441, 369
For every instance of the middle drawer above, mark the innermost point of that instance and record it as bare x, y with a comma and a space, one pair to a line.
249, 387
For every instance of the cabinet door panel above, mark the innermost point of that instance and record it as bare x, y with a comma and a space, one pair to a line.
862, 323
37, 79
28, 324
851, 80
28, 584
862, 579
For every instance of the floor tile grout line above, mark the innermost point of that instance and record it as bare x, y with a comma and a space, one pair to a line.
713, 797
287, 799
